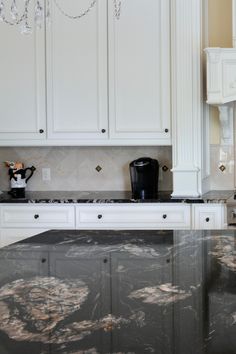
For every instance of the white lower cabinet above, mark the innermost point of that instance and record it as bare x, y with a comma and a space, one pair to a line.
208, 216
133, 216
21, 221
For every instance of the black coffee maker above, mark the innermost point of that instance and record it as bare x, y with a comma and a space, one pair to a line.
144, 173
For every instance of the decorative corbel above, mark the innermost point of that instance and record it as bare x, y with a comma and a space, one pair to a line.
226, 117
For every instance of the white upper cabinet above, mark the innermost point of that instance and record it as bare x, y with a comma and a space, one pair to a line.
22, 85
139, 71
221, 75
77, 72
106, 81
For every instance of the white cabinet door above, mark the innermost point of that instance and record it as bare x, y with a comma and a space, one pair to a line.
77, 72
139, 71
22, 85
208, 217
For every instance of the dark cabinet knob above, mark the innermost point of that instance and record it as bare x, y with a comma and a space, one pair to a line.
164, 216
99, 216
103, 130
105, 260
41, 131
207, 219
36, 216
166, 130
43, 260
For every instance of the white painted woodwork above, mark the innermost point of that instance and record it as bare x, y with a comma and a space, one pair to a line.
22, 85
187, 100
40, 216
221, 75
81, 69
139, 71
20, 220
208, 217
9, 236
77, 72
155, 216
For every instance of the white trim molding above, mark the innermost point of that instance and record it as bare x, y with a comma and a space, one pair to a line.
187, 100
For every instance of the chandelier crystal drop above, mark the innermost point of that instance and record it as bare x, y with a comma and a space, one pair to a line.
18, 12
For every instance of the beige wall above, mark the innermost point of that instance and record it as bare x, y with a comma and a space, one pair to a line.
220, 35
220, 23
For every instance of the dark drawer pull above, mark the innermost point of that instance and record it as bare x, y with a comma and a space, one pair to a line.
99, 216
41, 131
164, 216
43, 260
36, 216
207, 219
103, 131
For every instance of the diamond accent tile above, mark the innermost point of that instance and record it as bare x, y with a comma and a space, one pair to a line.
222, 168
165, 168
98, 168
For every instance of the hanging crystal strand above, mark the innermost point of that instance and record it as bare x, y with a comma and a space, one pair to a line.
38, 14
14, 11
117, 8
2, 13
48, 14
26, 28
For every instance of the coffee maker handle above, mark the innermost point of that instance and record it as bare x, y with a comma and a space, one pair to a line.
31, 169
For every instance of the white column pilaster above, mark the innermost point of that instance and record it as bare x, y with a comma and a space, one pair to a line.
187, 102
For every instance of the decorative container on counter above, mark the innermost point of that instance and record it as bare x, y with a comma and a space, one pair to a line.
18, 179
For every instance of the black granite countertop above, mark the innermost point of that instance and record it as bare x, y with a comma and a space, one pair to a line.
126, 292
109, 197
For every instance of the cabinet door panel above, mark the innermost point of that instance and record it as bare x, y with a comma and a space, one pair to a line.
77, 72
22, 85
139, 70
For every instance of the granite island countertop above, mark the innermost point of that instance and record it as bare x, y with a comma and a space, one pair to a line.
126, 292
109, 197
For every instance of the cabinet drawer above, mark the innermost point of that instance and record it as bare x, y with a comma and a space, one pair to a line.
133, 216
208, 217
37, 216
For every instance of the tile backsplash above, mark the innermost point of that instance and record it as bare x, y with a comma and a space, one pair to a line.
222, 167
84, 168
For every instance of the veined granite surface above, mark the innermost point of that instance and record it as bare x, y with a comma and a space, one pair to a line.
119, 292
109, 197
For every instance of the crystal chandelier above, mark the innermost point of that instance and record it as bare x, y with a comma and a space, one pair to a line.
17, 12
